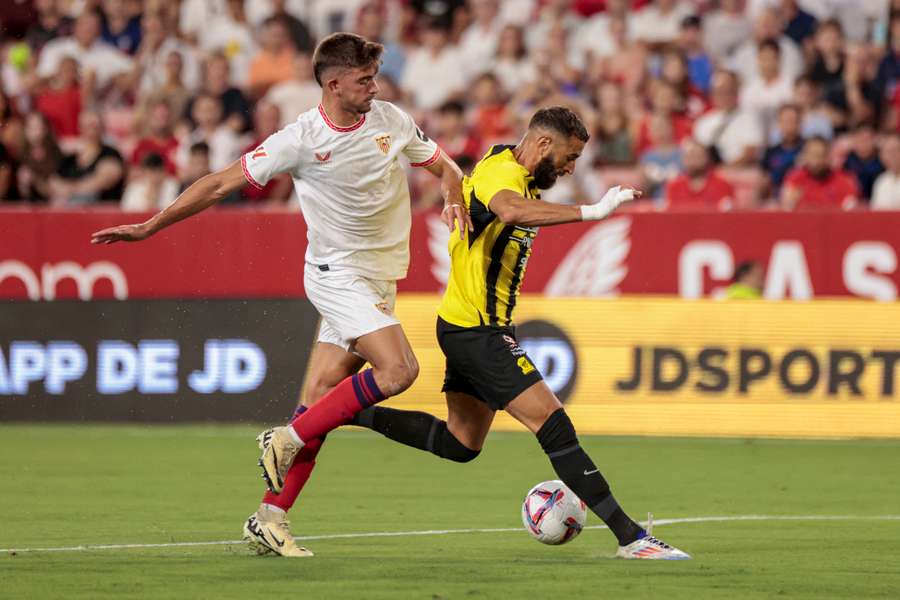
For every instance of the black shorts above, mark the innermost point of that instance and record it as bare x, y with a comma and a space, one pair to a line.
485, 362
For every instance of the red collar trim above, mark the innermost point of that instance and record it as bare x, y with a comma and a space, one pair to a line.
331, 124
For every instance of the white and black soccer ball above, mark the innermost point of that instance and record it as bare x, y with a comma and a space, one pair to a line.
552, 513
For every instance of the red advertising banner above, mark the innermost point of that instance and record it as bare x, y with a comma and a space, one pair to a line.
218, 254
243, 254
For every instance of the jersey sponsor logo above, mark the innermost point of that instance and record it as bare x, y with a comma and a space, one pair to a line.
259, 153
552, 353
323, 157
384, 143
523, 238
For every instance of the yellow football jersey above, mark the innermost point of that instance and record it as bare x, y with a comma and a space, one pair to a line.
486, 268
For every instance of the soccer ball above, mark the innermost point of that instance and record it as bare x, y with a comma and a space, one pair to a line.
552, 513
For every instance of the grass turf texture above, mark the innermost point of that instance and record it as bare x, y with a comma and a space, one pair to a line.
80, 485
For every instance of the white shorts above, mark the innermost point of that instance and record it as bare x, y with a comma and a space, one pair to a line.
351, 305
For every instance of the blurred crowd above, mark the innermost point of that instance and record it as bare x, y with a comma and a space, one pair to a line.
704, 104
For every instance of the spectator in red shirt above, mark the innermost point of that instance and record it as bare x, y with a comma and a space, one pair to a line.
692, 101
452, 135
665, 101
60, 100
158, 137
700, 187
815, 185
491, 116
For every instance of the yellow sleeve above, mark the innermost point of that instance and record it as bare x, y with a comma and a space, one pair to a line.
500, 176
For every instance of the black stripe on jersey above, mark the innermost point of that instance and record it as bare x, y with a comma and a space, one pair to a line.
518, 270
493, 272
481, 217
498, 148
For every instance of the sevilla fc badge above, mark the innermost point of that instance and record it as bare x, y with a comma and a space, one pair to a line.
384, 143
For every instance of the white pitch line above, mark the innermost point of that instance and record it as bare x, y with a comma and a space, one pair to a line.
380, 534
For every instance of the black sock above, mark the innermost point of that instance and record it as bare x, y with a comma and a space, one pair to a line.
417, 429
576, 469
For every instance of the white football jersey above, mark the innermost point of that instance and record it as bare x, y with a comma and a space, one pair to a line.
351, 185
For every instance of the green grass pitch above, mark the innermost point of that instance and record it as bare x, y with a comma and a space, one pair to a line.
74, 485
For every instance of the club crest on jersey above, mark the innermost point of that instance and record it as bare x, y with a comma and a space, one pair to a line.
323, 157
259, 153
384, 143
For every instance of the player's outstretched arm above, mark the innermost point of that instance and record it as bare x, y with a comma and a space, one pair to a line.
454, 212
514, 209
201, 194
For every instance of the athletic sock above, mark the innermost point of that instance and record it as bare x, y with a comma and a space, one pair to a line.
338, 406
575, 468
416, 429
298, 474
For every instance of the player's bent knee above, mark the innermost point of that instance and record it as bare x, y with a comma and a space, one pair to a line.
314, 391
464, 455
453, 450
400, 377
557, 435
446, 445
411, 372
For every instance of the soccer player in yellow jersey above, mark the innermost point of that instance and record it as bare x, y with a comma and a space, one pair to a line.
486, 369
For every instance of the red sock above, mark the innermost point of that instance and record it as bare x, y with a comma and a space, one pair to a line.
338, 406
297, 476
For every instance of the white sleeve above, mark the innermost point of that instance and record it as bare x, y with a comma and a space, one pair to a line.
119, 63
279, 153
192, 16
751, 128
421, 150
703, 129
49, 61
881, 199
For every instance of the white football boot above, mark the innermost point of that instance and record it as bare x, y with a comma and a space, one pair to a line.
263, 439
279, 450
268, 532
651, 548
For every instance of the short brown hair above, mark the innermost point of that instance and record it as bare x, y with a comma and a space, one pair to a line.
561, 120
344, 50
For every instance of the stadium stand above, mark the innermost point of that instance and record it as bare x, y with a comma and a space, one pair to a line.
91, 89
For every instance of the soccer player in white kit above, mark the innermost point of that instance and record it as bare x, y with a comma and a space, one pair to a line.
343, 157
